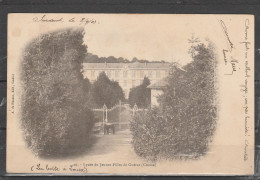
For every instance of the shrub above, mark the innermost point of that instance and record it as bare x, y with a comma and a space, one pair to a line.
55, 118
104, 91
140, 95
183, 124
146, 128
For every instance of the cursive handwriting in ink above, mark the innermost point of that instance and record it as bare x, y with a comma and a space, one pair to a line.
225, 55
80, 20
74, 168
13, 94
86, 21
225, 30
246, 42
45, 19
245, 151
233, 63
230, 46
246, 28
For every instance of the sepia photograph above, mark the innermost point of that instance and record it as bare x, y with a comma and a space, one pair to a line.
117, 94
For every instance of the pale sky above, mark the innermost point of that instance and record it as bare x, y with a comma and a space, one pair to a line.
151, 37
145, 36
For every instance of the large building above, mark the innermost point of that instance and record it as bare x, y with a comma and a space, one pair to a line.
128, 75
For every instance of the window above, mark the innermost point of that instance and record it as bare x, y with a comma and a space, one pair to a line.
116, 73
150, 73
133, 83
141, 73
146, 73
125, 74
109, 74
158, 74
92, 74
112, 74
133, 73
166, 73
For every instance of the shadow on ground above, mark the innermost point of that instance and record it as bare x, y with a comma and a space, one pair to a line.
72, 152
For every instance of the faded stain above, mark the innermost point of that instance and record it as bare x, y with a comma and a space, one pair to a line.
16, 32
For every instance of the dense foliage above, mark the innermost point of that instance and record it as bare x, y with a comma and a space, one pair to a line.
86, 86
55, 118
184, 122
92, 58
104, 91
140, 95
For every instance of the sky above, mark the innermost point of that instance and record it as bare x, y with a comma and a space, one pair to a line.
151, 37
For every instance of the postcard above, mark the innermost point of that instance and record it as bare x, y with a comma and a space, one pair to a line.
130, 94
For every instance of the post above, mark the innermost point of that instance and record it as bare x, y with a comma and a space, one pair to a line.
104, 108
103, 115
119, 121
106, 115
103, 121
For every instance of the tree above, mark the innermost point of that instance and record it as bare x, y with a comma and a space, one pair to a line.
193, 41
140, 95
55, 118
92, 58
190, 99
105, 91
86, 86
184, 123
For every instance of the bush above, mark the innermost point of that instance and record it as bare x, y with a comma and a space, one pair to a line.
55, 118
140, 95
104, 91
146, 128
183, 124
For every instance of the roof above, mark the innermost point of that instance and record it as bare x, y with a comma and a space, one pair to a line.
159, 84
135, 65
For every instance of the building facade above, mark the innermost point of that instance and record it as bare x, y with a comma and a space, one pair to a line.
157, 90
128, 75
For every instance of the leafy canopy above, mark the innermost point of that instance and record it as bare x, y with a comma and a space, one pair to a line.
105, 91
54, 112
140, 95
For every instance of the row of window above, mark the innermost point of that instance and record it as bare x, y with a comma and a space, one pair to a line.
134, 83
142, 73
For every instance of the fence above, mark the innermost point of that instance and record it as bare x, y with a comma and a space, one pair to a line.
119, 115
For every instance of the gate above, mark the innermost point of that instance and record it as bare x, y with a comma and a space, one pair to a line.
119, 116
